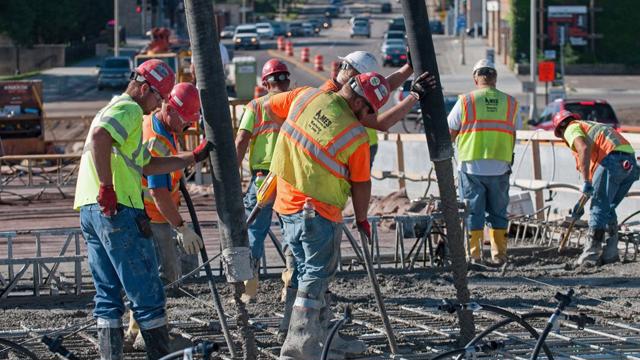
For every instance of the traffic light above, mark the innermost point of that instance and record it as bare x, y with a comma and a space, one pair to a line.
138, 6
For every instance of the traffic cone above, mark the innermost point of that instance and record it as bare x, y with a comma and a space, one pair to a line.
289, 48
335, 67
280, 43
304, 55
317, 62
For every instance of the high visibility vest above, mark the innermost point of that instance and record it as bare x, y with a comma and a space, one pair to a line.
602, 140
315, 143
487, 126
263, 137
158, 146
121, 118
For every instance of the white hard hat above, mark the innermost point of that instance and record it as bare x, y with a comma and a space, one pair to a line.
483, 63
362, 61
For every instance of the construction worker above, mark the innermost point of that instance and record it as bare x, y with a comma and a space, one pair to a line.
484, 123
321, 158
259, 133
606, 162
360, 62
117, 232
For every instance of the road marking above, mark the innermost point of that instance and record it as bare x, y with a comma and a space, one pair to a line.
298, 64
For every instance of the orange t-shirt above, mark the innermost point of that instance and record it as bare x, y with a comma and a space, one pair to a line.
290, 200
330, 85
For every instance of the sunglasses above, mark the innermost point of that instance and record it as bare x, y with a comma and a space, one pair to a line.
346, 66
278, 77
139, 78
356, 88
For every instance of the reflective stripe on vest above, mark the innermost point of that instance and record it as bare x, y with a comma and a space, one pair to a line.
488, 126
602, 140
318, 137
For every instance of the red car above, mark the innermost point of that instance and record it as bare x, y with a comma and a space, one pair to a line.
588, 109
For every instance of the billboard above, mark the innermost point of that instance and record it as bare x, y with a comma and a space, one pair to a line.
574, 19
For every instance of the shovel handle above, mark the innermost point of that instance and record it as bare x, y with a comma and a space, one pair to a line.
567, 233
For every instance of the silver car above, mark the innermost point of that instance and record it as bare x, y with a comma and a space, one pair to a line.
361, 28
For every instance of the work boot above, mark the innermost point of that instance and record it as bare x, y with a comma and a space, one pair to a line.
156, 342
592, 248
110, 341
498, 238
251, 285
610, 253
306, 334
340, 344
290, 298
475, 245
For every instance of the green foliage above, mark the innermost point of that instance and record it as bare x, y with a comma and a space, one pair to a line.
519, 23
30, 22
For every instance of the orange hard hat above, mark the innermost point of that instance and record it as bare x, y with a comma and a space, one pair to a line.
159, 76
373, 87
184, 98
274, 66
560, 119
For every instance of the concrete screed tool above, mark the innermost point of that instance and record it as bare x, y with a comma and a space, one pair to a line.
574, 218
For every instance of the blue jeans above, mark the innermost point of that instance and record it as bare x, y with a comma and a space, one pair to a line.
259, 229
121, 258
611, 183
315, 244
488, 198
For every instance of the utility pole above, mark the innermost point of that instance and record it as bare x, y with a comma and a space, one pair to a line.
225, 178
116, 25
456, 11
434, 118
484, 18
244, 11
463, 34
533, 111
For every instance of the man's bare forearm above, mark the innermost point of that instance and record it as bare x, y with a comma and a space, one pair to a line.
166, 206
165, 165
361, 195
101, 143
398, 77
242, 143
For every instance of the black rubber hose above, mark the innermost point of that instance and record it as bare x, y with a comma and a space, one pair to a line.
205, 349
17, 348
334, 330
508, 321
563, 302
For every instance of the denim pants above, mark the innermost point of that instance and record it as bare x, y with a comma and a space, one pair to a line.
120, 258
611, 183
487, 198
315, 244
259, 229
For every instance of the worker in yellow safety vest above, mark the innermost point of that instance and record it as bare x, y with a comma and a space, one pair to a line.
259, 133
606, 161
321, 158
112, 218
484, 122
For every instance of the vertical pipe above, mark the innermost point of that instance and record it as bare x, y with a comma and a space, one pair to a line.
116, 33
440, 151
484, 18
533, 111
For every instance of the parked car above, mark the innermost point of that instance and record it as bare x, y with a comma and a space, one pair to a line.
227, 32
295, 29
385, 8
436, 27
309, 29
361, 28
394, 55
588, 109
279, 28
265, 30
318, 24
394, 34
353, 19
397, 24
114, 72
392, 43
246, 37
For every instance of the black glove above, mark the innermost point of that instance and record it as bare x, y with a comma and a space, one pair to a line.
423, 85
578, 211
202, 151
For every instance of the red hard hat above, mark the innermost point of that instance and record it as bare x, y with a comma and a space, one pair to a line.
184, 98
560, 118
373, 87
273, 66
159, 75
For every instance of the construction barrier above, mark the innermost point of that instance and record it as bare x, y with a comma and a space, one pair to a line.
289, 48
317, 63
280, 43
335, 67
304, 55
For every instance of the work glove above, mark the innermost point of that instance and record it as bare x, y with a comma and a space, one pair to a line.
587, 188
577, 211
365, 227
190, 241
422, 85
202, 151
107, 200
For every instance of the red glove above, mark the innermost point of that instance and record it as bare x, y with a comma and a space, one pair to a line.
202, 151
107, 200
365, 227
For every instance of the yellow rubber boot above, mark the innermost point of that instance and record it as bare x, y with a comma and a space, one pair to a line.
250, 289
475, 244
498, 246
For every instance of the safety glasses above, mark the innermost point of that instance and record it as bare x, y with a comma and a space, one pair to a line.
139, 78
358, 90
278, 77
